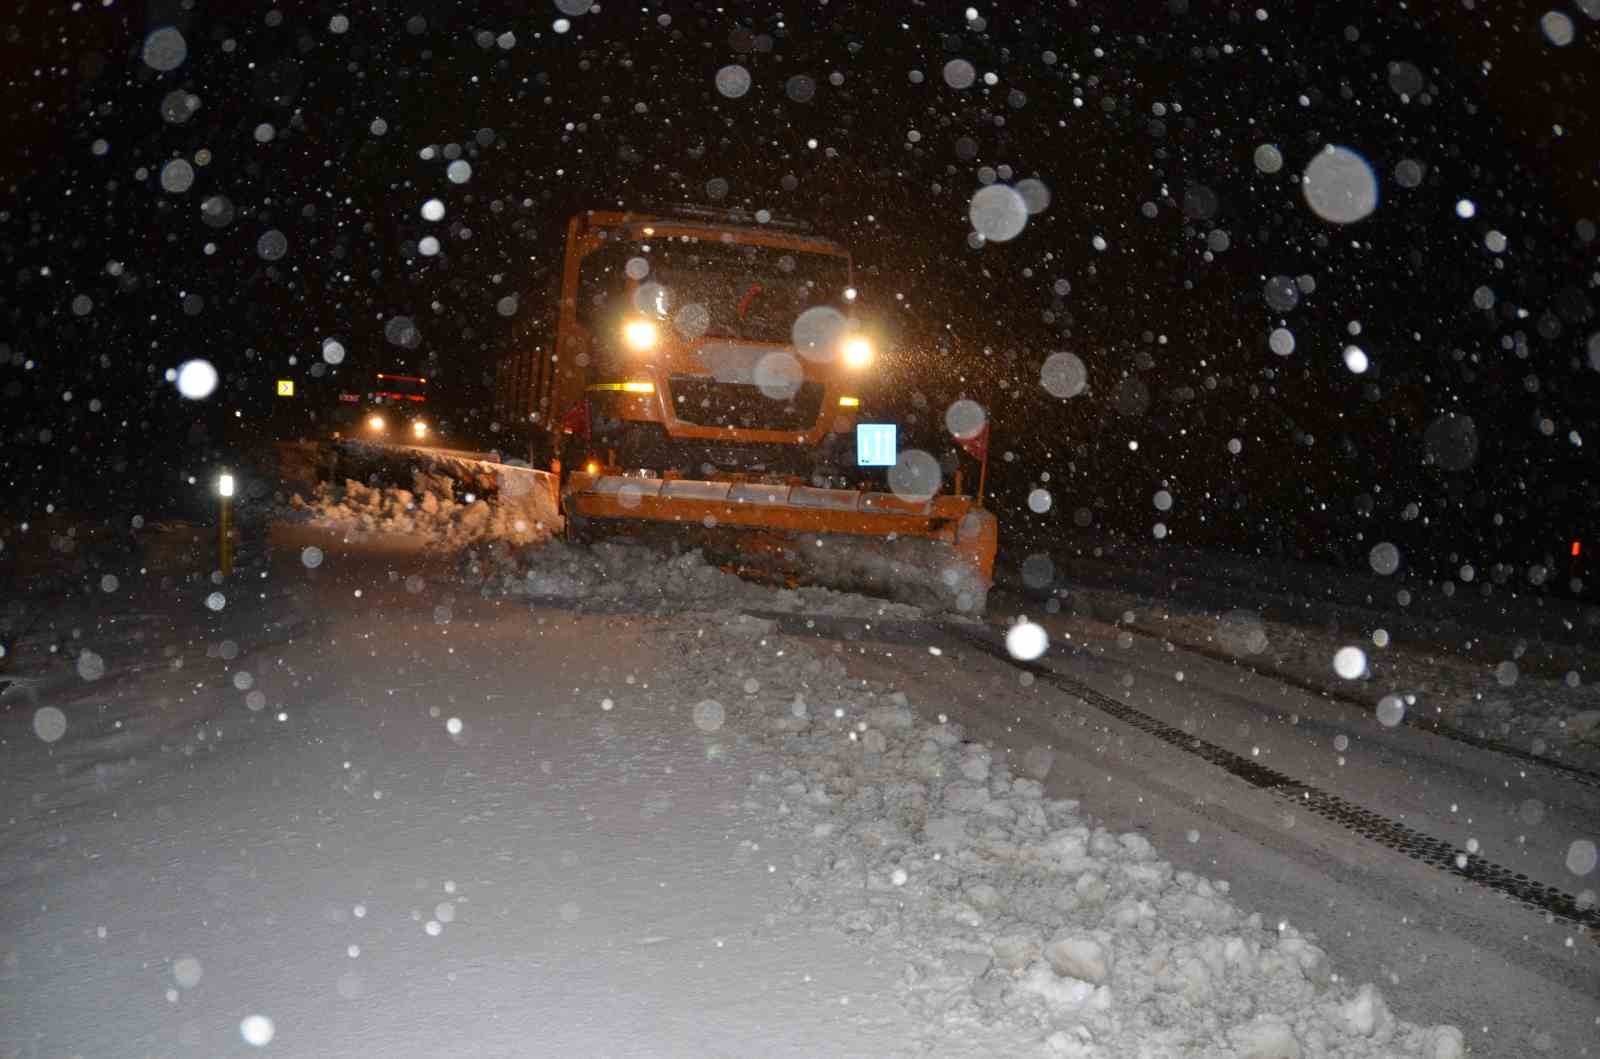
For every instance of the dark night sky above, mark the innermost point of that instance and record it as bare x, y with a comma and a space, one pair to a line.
1121, 110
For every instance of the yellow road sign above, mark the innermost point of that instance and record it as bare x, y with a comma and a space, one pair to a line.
285, 387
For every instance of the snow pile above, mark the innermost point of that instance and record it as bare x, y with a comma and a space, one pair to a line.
915, 570
496, 503
1017, 916
637, 576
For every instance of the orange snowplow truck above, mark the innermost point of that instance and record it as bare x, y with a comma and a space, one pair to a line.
704, 389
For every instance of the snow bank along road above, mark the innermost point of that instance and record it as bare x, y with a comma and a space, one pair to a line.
354, 802
1454, 875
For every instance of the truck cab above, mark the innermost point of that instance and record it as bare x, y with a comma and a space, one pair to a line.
703, 344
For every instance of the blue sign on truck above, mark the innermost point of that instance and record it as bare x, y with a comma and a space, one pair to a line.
875, 444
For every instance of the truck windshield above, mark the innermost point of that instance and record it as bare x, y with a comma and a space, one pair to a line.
729, 290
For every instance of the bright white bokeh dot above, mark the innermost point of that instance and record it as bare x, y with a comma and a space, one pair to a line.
1026, 641
196, 379
1350, 662
1355, 358
433, 210
257, 1030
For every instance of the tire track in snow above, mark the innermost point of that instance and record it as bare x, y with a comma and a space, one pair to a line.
1369, 824
1410, 719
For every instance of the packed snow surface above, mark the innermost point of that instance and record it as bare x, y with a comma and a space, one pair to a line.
1502, 662
399, 822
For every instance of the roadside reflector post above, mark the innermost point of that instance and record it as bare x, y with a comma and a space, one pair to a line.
225, 494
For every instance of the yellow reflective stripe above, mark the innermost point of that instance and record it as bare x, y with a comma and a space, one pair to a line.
849, 402
624, 387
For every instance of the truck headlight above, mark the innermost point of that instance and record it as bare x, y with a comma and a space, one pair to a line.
640, 335
419, 428
857, 352
375, 423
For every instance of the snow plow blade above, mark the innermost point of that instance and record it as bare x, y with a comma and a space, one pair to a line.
936, 553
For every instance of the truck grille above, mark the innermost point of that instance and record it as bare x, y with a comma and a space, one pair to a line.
707, 402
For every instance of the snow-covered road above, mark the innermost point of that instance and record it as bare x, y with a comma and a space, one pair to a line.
445, 828
1519, 980
365, 799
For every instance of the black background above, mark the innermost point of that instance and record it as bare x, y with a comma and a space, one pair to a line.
1145, 104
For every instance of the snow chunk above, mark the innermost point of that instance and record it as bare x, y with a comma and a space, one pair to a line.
1366, 1014
1083, 958
1041, 981
1269, 1037
1445, 1042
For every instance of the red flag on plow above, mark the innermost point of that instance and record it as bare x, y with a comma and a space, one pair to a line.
576, 420
977, 446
